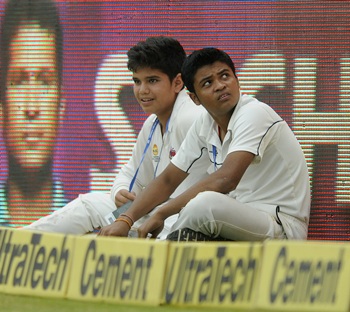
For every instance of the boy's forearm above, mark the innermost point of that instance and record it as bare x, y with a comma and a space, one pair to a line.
157, 192
147, 200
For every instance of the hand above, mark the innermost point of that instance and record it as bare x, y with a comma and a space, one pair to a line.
154, 225
118, 228
123, 196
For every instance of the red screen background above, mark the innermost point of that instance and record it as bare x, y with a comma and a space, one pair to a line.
294, 55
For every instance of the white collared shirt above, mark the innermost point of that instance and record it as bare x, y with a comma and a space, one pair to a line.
278, 175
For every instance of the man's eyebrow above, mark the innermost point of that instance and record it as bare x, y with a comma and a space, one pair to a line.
204, 78
223, 70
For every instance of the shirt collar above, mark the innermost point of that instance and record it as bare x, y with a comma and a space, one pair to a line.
209, 128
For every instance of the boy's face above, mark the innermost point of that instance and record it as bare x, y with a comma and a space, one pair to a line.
155, 92
217, 89
31, 108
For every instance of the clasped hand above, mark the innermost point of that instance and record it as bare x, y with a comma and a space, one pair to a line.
115, 229
154, 225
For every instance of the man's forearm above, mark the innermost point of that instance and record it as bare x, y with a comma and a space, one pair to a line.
147, 200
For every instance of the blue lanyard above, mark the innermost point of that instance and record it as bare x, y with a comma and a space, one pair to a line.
214, 157
155, 123
215, 152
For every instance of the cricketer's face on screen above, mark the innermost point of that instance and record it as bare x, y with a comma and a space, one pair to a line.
31, 111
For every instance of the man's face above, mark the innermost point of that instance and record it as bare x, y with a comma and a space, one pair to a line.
31, 109
217, 89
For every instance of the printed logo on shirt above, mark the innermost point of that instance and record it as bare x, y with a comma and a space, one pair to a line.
156, 157
172, 153
155, 150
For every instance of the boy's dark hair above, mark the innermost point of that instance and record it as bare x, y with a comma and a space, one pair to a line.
200, 58
163, 53
26, 12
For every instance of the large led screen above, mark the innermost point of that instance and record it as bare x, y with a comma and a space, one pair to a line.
293, 55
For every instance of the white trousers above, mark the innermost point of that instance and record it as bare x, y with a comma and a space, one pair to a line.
85, 214
215, 214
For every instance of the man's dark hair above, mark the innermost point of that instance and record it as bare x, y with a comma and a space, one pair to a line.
25, 12
163, 53
200, 58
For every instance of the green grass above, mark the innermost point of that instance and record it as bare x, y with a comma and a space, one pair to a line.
13, 303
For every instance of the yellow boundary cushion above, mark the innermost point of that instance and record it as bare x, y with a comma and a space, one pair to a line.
34, 263
212, 274
114, 269
304, 276
273, 276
